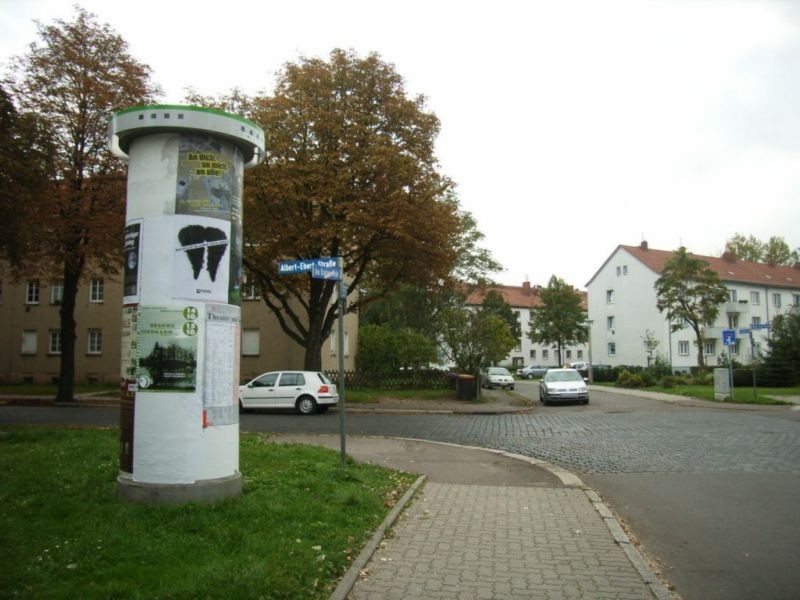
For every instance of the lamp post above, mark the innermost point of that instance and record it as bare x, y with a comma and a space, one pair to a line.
589, 329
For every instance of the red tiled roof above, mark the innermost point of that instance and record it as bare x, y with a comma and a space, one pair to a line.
524, 296
728, 269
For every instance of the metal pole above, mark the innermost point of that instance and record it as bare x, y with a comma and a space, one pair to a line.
730, 367
753, 364
591, 373
342, 410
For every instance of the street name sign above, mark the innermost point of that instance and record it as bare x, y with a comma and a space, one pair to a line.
320, 268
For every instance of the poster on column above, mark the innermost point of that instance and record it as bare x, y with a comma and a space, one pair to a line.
132, 246
167, 348
209, 177
200, 269
221, 377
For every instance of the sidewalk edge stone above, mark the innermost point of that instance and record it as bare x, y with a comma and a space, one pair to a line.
350, 578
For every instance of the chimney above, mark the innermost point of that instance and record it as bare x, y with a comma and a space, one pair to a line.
526, 288
796, 265
643, 245
729, 257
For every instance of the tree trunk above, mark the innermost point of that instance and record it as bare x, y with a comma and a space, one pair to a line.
701, 365
313, 356
66, 377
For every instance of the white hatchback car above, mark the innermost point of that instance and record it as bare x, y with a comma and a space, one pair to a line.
563, 385
497, 377
305, 391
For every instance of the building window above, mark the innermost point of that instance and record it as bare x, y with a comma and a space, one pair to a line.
580, 354
755, 298
95, 342
609, 296
517, 362
56, 293
609, 322
733, 321
755, 321
533, 354
734, 348
619, 271
251, 342
54, 346
29, 341
733, 295
346, 343
569, 354
250, 292
612, 348
32, 292
624, 269
710, 347
796, 299
776, 300
683, 348
544, 354
96, 290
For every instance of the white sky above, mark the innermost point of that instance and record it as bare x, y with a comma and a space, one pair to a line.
569, 126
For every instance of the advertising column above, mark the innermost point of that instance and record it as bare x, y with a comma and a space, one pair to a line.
181, 319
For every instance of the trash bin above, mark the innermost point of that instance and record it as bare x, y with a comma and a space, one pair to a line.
466, 388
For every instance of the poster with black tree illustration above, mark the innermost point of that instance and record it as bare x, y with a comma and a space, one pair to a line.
201, 265
167, 348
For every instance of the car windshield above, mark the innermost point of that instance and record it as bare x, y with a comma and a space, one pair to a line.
563, 376
498, 371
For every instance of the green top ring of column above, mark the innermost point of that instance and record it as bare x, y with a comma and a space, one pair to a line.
126, 125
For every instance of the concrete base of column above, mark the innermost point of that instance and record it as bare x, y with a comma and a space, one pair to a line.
205, 492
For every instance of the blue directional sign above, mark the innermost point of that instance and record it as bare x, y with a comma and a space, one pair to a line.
728, 337
320, 268
759, 326
744, 331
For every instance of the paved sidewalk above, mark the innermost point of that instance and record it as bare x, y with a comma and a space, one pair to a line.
486, 524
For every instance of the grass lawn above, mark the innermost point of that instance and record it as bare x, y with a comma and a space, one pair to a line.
742, 395
295, 530
356, 396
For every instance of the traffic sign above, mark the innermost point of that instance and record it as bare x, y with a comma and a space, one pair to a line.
728, 337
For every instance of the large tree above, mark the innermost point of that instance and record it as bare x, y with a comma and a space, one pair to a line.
74, 77
774, 251
561, 319
473, 339
494, 303
350, 171
784, 346
691, 293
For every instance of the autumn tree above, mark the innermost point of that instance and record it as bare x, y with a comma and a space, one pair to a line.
561, 319
73, 78
350, 171
691, 293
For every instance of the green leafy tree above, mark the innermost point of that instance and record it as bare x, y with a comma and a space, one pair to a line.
650, 344
473, 339
560, 320
350, 171
784, 345
73, 78
382, 348
494, 303
778, 252
690, 292
775, 251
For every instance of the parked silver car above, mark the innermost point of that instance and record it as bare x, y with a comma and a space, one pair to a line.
532, 371
305, 391
497, 377
563, 385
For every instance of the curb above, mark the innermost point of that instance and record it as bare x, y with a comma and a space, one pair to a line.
351, 576
658, 589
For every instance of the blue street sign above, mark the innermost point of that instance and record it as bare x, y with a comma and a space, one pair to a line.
728, 337
320, 268
744, 331
759, 326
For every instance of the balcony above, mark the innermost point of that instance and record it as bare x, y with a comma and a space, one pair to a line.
742, 306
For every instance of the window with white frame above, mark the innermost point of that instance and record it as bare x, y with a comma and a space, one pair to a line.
56, 293
609, 296
96, 290
755, 298
796, 299
54, 344
544, 354
518, 347
755, 320
710, 347
612, 348
733, 321
251, 342
533, 353
29, 339
624, 269
569, 354
32, 291
683, 348
609, 322
619, 271
250, 291
94, 343
776, 300
733, 295
735, 347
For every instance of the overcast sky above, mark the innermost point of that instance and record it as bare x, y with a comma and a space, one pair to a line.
569, 127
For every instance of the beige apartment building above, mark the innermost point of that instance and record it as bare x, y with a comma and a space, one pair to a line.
30, 334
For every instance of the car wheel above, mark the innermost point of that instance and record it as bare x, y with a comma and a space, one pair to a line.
529, 376
586, 401
306, 405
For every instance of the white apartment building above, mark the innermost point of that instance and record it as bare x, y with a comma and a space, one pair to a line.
522, 300
622, 308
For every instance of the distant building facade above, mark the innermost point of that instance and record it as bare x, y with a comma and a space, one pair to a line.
30, 334
522, 300
622, 308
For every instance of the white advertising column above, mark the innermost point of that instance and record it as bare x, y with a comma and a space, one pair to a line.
181, 322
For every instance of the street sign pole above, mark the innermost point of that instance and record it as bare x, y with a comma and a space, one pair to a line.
342, 410
753, 363
730, 368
